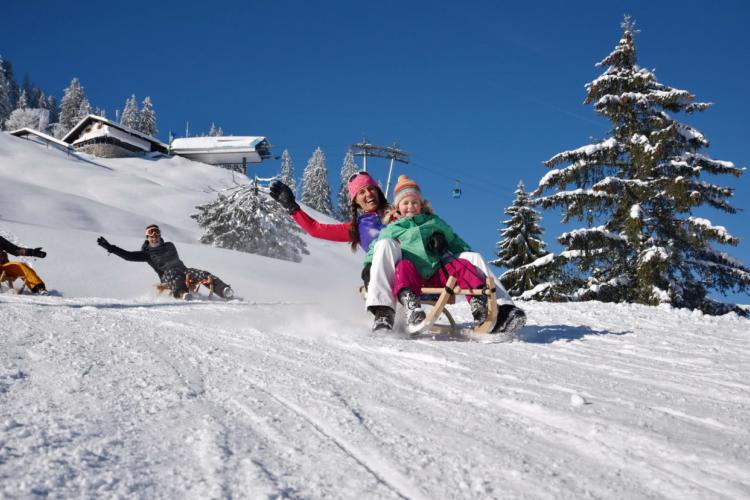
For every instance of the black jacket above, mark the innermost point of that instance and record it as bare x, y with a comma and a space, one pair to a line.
161, 257
7, 246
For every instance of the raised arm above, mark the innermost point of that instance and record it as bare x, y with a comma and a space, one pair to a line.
138, 256
21, 251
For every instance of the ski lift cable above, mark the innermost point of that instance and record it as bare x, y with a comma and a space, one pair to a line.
491, 187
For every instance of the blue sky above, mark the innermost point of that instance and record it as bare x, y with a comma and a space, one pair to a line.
477, 91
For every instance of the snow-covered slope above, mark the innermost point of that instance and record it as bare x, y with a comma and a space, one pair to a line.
108, 391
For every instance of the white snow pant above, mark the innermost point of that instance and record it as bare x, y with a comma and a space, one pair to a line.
384, 258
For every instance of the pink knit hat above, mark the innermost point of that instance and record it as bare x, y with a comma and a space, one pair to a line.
358, 181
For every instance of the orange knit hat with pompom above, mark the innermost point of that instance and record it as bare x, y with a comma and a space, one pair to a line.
405, 186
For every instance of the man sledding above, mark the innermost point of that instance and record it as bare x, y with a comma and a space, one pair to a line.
11, 270
173, 273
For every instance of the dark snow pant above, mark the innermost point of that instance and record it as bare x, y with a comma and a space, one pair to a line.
177, 279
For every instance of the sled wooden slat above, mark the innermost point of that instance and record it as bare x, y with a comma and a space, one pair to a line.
9, 280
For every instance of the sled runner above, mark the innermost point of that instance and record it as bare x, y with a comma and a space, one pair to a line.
8, 280
438, 298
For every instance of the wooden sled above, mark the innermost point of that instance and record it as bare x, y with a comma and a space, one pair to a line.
8, 281
438, 298
191, 286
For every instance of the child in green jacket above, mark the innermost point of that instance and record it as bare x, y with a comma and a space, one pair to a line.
428, 245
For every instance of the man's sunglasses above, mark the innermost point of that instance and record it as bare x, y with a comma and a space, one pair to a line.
153, 233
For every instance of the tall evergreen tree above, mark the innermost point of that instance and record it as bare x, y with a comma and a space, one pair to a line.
348, 168
6, 102
316, 192
147, 123
73, 100
246, 219
641, 185
521, 249
6, 67
286, 174
131, 116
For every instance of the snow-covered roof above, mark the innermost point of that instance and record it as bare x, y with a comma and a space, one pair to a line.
218, 143
218, 150
30, 131
80, 127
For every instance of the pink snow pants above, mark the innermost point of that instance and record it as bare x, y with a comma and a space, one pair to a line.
407, 276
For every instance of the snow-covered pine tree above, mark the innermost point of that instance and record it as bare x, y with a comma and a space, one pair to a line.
521, 249
6, 67
641, 186
244, 218
348, 168
26, 117
286, 174
215, 131
131, 116
147, 123
316, 192
6, 103
23, 100
53, 108
70, 107
84, 110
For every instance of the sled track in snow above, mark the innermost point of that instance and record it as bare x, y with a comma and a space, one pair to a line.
391, 479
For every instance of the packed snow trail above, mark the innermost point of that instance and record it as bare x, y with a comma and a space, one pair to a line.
165, 399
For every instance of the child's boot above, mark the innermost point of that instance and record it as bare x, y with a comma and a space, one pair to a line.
478, 305
414, 312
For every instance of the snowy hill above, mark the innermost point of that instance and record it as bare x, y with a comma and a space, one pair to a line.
109, 391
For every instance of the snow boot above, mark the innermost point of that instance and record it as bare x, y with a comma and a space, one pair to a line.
478, 306
510, 319
414, 312
384, 317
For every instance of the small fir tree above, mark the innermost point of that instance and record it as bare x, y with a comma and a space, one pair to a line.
638, 190
26, 118
131, 116
147, 122
316, 192
246, 219
348, 168
70, 107
215, 131
521, 250
23, 100
286, 173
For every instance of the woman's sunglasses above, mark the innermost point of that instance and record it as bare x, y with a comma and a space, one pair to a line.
354, 176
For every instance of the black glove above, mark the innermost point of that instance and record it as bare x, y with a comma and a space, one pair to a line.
36, 252
436, 243
104, 243
281, 193
366, 275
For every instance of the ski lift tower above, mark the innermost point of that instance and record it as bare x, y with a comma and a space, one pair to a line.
365, 149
